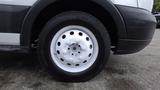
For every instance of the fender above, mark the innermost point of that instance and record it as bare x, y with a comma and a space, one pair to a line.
41, 4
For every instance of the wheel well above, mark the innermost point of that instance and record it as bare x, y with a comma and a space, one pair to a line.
73, 5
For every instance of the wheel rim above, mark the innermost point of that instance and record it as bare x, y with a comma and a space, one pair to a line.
74, 48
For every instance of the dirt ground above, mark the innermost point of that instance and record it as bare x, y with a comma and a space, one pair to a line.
140, 71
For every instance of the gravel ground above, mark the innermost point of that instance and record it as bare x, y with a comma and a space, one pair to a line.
140, 71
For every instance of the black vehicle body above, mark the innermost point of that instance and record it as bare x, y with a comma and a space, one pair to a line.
131, 29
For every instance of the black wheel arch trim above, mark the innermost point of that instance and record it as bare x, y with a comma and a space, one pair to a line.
42, 4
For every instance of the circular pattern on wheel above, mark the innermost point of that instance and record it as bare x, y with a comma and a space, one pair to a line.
74, 48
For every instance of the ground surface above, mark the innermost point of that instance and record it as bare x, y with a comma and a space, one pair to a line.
139, 71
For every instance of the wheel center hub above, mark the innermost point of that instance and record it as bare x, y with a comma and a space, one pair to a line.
74, 49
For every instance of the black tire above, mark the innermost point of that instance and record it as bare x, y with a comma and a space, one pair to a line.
74, 18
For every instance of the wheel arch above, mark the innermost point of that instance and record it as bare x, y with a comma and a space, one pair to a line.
37, 11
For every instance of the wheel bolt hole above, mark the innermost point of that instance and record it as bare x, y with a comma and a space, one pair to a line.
79, 52
68, 48
72, 54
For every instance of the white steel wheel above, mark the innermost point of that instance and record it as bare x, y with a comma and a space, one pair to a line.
74, 48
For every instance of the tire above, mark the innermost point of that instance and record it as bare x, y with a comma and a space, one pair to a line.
74, 46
